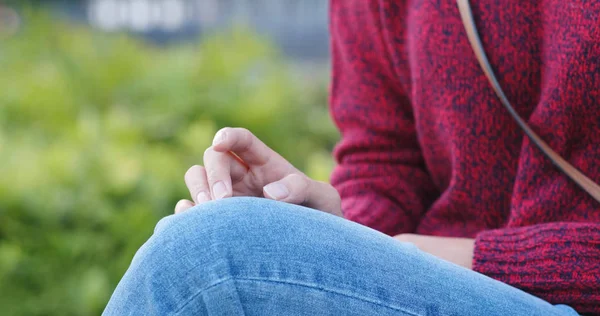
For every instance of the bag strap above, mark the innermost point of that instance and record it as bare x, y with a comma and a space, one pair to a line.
584, 182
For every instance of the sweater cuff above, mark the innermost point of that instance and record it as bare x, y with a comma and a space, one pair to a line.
493, 250
520, 255
558, 262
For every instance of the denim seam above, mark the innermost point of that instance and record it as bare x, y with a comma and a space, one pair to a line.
198, 293
312, 286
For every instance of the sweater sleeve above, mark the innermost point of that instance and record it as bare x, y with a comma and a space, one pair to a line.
566, 268
380, 172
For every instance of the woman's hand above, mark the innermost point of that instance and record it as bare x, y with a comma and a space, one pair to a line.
456, 250
239, 164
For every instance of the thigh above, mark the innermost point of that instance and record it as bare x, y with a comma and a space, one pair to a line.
259, 257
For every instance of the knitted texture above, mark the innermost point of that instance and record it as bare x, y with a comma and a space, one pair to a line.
427, 147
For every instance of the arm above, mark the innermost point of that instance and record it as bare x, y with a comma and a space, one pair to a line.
380, 173
565, 268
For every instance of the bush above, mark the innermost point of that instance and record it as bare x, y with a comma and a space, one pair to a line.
96, 132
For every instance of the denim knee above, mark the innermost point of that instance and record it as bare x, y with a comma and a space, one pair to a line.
204, 223
236, 226
187, 254
214, 225
233, 213
224, 242
191, 252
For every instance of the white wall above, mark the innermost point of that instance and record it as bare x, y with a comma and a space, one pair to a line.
172, 15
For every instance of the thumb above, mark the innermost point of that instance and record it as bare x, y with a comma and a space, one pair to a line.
301, 190
292, 188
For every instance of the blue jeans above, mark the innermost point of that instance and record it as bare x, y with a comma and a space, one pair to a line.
251, 256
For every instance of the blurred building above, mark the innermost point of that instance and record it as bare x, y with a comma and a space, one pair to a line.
299, 27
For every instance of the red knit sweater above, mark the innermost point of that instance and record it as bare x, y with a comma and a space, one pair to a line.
427, 148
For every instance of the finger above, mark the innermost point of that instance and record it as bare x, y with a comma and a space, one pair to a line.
237, 170
299, 189
323, 196
291, 189
243, 143
239, 160
218, 172
197, 183
183, 206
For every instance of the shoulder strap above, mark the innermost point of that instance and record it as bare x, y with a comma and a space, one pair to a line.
584, 182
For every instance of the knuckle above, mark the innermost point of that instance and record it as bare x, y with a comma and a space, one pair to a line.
299, 179
332, 195
247, 138
244, 131
197, 188
301, 183
223, 131
212, 173
325, 186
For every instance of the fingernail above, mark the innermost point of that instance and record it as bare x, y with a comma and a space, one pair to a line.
219, 190
220, 137
202, 197
277, 191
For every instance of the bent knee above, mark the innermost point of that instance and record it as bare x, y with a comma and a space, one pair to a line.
227, 221
192, 250
201, 235
230, 214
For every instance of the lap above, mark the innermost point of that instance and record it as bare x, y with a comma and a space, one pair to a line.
256, 256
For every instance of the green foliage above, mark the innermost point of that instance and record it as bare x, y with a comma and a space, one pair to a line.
96, 132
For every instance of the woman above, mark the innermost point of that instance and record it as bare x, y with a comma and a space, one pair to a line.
482, 222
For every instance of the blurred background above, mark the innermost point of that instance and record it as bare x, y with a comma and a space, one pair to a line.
104, 104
